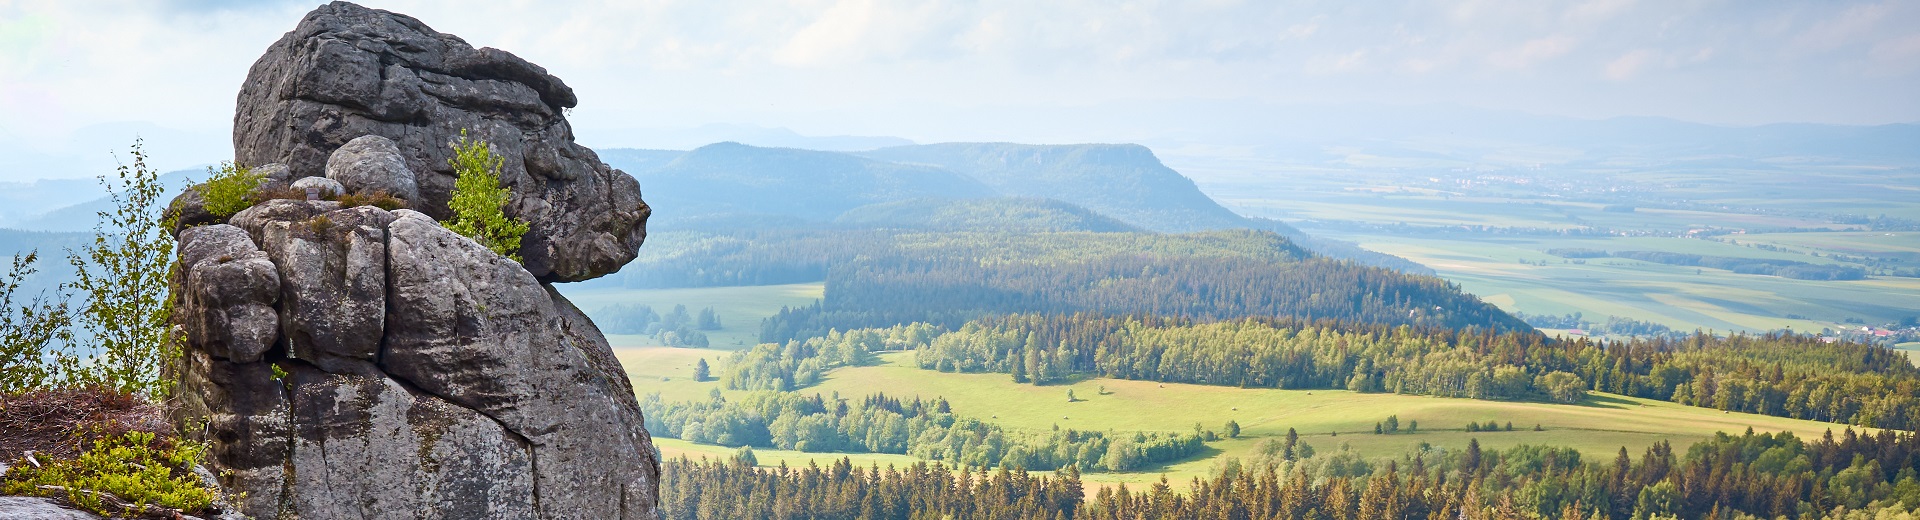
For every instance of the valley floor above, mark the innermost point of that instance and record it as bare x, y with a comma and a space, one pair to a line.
1326, 419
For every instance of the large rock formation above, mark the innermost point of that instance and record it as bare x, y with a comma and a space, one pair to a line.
347, 72
356, 362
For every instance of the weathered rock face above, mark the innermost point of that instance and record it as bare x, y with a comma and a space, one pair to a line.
347, 72
230, 309
354, 362
360, 363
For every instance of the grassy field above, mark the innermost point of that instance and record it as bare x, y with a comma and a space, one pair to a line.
1912, 350
1904, 245
1326, 419
740, 308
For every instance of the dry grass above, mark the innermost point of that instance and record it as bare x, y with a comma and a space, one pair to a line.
58, 423
378, 199
281, 191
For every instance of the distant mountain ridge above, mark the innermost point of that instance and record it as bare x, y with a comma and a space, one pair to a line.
82, 216
1124, 181
737, 186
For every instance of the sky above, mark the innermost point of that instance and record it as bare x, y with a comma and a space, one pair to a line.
78, 76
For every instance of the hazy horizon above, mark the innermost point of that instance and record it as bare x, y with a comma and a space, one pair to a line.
81, 80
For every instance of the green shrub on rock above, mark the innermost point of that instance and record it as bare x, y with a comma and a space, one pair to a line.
229, 189
478, 199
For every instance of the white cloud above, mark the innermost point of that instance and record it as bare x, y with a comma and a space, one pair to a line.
1629, 65
1532, 52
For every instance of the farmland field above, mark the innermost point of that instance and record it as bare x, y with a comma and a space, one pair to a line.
1684, 298
1487, 224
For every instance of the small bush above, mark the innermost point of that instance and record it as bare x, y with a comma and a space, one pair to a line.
127, 474
479, 199
229, 189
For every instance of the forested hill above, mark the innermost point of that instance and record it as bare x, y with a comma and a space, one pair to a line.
732, 178
946, 279
732, 188
1005, 214
1122, 180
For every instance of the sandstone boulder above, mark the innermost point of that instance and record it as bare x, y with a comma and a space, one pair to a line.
334, 266
232, 289
347, 72
371, 163
322, 186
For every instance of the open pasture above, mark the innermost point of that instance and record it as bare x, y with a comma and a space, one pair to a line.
740, 308
1325, 419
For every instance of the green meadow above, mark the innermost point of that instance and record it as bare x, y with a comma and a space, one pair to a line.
1325, 419
740, 308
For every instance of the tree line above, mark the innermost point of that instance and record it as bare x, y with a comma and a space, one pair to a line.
929, 430
1748, 476
717, 490
1267, 353
1779, 374
676, 328
802, 363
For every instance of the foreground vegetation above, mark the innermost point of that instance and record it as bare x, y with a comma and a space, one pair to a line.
928, 430
1745, 476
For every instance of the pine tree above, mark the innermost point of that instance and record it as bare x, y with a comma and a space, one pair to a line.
1020, 371
700, 370
1035, 372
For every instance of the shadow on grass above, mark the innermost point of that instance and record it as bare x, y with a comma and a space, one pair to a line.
1606, 401
1167, 466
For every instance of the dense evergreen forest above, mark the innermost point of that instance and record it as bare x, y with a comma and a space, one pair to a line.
950, 279
925, 429
956, 276
1847, 476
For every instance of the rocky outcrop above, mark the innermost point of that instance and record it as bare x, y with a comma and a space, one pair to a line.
408, 371
356, 362
347, 72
